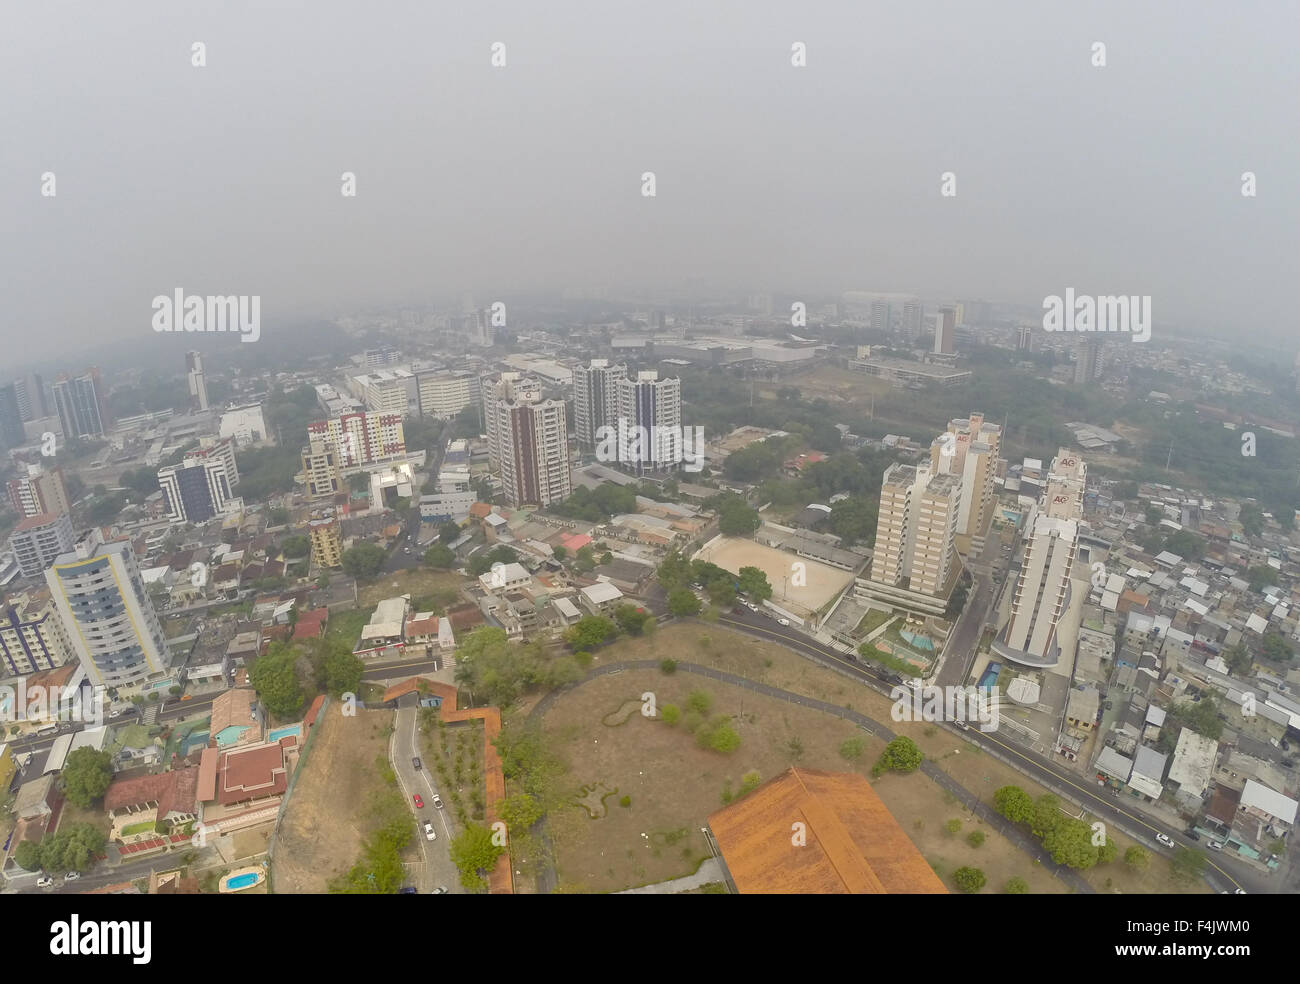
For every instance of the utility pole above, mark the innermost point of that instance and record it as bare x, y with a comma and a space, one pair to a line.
1170, 458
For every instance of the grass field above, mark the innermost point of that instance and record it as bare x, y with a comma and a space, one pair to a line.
442, 588
328, 815
673, 785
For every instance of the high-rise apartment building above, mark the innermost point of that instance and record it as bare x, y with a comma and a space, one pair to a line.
320, 470
1089, 362
38, 541
12, 434
82, 405
916, 530
389, 391
945, 330
880, 316
509, 387
970, 449
202, 485
445, 394
649, 423
913, 318
1025, 337
361, 438
39, 491
595, 400
23, 394
198, 384
1043, 588
106, 613
533, 448
326, 535
32, 636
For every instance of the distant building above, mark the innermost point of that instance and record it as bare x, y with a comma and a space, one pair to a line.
245, 424
361, 438
37, 542
945, 330
326, 535
202, 485
12, 434
82, 406
198, 384
649, 423
39, 491
320, 470
1089, 362
595, 400
32, 636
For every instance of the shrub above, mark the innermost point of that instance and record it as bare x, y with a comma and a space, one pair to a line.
671, 714
1016, 886
668, 667
975, 838
952, 826
969, 880
699, 701
852, 748
625, 802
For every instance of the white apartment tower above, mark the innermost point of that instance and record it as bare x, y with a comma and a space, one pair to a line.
595, 400
533, 444
970, 448
649, 423
106, 613
916, 530
198, 385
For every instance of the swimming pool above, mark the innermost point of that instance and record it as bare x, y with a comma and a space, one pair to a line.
242, 881
990, 676
278, 733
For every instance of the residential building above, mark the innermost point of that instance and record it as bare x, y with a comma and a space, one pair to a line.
970, 448
326, 535
600, 598
509, 387
389, 391
320, 470
595, 400
1025, 337
945, 330
106, 612
198, 385
12, 434
39, 491
38, 541
82, 406
244, 785
649, 423
32, 636
916, 530
443, 395
1089, 361
361, 438
202, 485
913, 318
236, 719
533, 448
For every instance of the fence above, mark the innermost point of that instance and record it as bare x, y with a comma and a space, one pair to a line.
293, 782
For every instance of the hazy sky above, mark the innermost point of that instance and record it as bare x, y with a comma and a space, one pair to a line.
226, 179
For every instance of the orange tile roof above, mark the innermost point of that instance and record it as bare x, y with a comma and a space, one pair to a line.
172, 791
480, 510
853, 844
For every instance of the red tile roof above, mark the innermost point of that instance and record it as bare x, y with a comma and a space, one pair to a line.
174, 791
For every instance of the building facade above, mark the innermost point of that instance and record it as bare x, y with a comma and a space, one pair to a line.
82, 406
649, 423
595, 400
38, 541
39, 491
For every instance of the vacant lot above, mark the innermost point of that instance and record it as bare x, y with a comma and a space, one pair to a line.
672, 785
440, 588
734, 652
329, 812
823, 581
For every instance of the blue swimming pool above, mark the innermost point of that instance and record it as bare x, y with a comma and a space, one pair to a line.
278, 733
242, 881
990, 676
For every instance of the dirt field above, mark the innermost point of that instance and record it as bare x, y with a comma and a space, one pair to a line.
824, 581
444, 586
674, 786
723, 649
327, 816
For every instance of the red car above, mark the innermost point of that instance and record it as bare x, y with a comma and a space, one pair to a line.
419, 803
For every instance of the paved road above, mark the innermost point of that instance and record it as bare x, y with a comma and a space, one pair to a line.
436, 869
959, 652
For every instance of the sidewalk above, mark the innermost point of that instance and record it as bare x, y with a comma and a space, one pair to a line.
710, 871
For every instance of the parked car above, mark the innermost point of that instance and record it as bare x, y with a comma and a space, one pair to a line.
429, 833
1166, 840
782, 621
45, 881
419, 803
415, 762
437, 802
440, 890
751, 606
71, 876
1214, 845
408, 890
1193, 835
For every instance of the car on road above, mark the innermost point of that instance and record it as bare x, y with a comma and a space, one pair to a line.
1240, 891
440, 890
45, 881
1165, 839
71, 876
419, 803
437, 802
429, 833
782, 621
1214, 845
408, 890
1192, 835
751, 606
415, 762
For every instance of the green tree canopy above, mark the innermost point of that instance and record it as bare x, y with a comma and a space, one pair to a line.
475, 855
86, 776
364, 560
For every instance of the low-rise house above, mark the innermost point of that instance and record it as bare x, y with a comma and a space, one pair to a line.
1267, 806
243, 786
1193, 765
1081, 707
600, 598
236, 719
1148, 772
427, 631
384, 632
135, 805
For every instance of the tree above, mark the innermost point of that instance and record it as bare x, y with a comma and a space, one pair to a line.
589, 632
750, 781
754, 583
559, 552
1275, 648
1136, 858
956, 602
585, 561
1251, 518
1153, 515
1069, 842
699, 701
475, 854
275, 678
519, 812
975, 838
736, 517
953, 826
277, 516
683, 601
900, 755
1107, 852
439, 557
1187, 865
449, 532
86, 776
969, 880
674, 572
342, 672
364, 560
1015, 886
1014, 804
671, 714
722, 593
296, 546
718, 735
1238, 658
631, 619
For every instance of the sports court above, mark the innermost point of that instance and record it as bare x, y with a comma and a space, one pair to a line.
823, 582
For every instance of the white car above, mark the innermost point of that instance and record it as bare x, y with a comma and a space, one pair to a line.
1166, 840
429, 833
751, 606
45, 881
782, 621
71, 876
1214, 845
